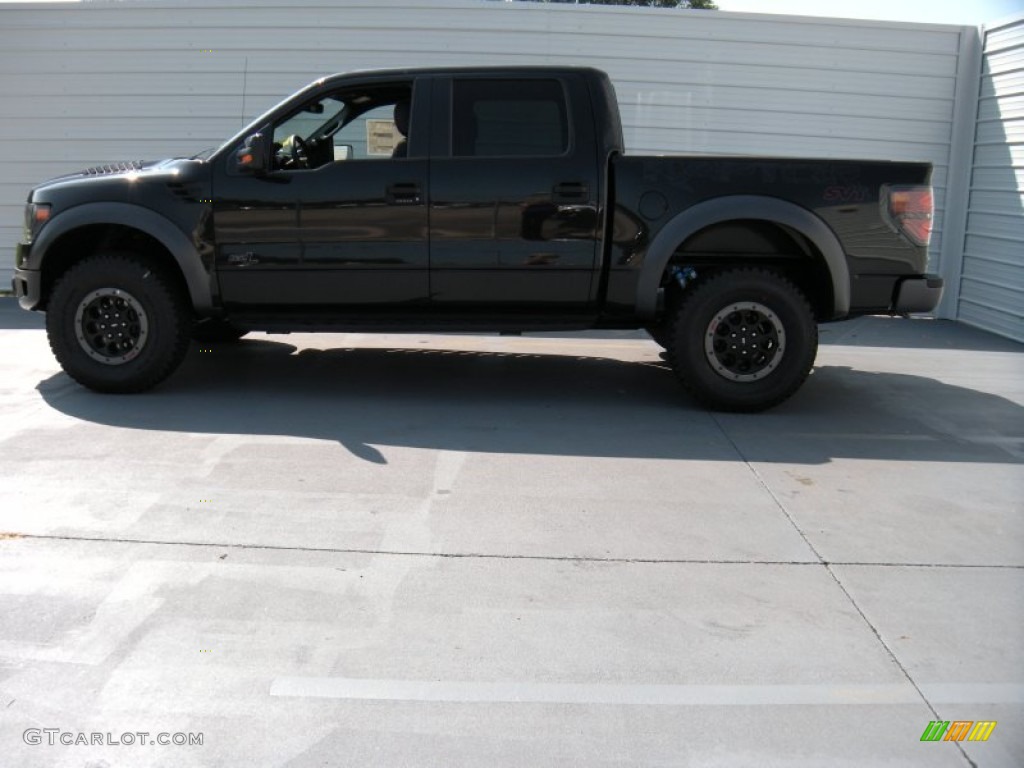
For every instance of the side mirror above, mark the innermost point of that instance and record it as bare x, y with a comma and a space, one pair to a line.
252, 158
342, 152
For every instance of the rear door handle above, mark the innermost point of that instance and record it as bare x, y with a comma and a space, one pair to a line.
571, 192
404, 194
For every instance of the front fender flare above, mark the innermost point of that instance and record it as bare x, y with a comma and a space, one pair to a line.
733, 208
143, 219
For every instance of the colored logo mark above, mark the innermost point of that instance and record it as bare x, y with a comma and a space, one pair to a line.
958, 730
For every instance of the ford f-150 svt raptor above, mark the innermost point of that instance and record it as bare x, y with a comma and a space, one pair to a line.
471, 199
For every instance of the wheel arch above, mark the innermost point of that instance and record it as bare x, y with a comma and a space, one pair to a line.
91, 220
738, 208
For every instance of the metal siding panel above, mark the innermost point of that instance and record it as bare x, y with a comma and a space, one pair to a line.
998, 178
115, 62
1009, 324
1001, 38
1008, 83
84, 152
633, 76
152, 105
1007, 130
154, 128
1005, 273
1005, 201
1006, 225
1008, 107
992, 282
85, 86
991, 294
982, 246
668, 51
741, 94
640, 23
645, 139
1002, 62
999, 156
789, 123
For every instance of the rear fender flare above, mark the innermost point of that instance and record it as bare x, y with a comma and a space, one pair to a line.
732, 208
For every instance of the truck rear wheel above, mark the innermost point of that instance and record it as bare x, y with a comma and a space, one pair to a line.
743, 340
115, 324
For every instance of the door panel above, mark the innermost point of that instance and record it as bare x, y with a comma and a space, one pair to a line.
363, 225
256, 229
341, 222
520, 230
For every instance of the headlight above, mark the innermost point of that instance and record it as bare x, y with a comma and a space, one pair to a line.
36, 215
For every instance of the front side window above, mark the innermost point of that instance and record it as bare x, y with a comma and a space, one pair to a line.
366, 123
509, 118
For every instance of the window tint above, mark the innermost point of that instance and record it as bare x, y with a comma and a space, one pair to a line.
509, 118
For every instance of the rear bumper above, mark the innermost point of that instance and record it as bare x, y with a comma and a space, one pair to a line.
917, 294
27, 284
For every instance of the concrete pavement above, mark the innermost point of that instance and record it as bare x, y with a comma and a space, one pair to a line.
466, 550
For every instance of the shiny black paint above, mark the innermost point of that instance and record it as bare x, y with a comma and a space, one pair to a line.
845, 195
490, 242
329, 236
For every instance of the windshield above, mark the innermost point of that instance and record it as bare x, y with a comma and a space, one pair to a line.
262, 120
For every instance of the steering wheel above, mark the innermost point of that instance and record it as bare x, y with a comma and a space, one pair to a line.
299, 151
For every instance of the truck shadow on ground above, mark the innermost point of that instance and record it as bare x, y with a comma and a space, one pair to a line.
448, 399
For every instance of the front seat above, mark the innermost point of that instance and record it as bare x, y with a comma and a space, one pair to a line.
402, 125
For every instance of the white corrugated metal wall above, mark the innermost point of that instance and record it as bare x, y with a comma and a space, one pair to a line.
87, 83
992, 284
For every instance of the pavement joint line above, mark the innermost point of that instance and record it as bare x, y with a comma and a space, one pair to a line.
761, 481
625, 693
13, 536
895, 659
828, 568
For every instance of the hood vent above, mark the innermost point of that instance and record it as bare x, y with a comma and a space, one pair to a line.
101, 170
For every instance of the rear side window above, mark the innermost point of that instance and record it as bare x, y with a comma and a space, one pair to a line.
509, 118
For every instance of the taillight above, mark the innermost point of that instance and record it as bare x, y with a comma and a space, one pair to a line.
909, 210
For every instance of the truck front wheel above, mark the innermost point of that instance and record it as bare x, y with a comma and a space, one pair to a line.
116, 324
743, 340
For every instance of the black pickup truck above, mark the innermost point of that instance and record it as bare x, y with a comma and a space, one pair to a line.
471, 199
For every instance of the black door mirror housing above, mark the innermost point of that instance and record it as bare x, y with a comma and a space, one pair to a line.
252, 158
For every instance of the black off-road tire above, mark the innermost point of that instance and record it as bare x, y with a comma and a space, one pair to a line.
117, 324
217, 330
743, 340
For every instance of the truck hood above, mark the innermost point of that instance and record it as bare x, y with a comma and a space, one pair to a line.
130, 168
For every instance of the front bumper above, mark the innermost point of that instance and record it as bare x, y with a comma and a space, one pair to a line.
917, 294
27, 285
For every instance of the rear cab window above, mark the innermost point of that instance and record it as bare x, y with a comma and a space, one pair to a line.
509, 118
